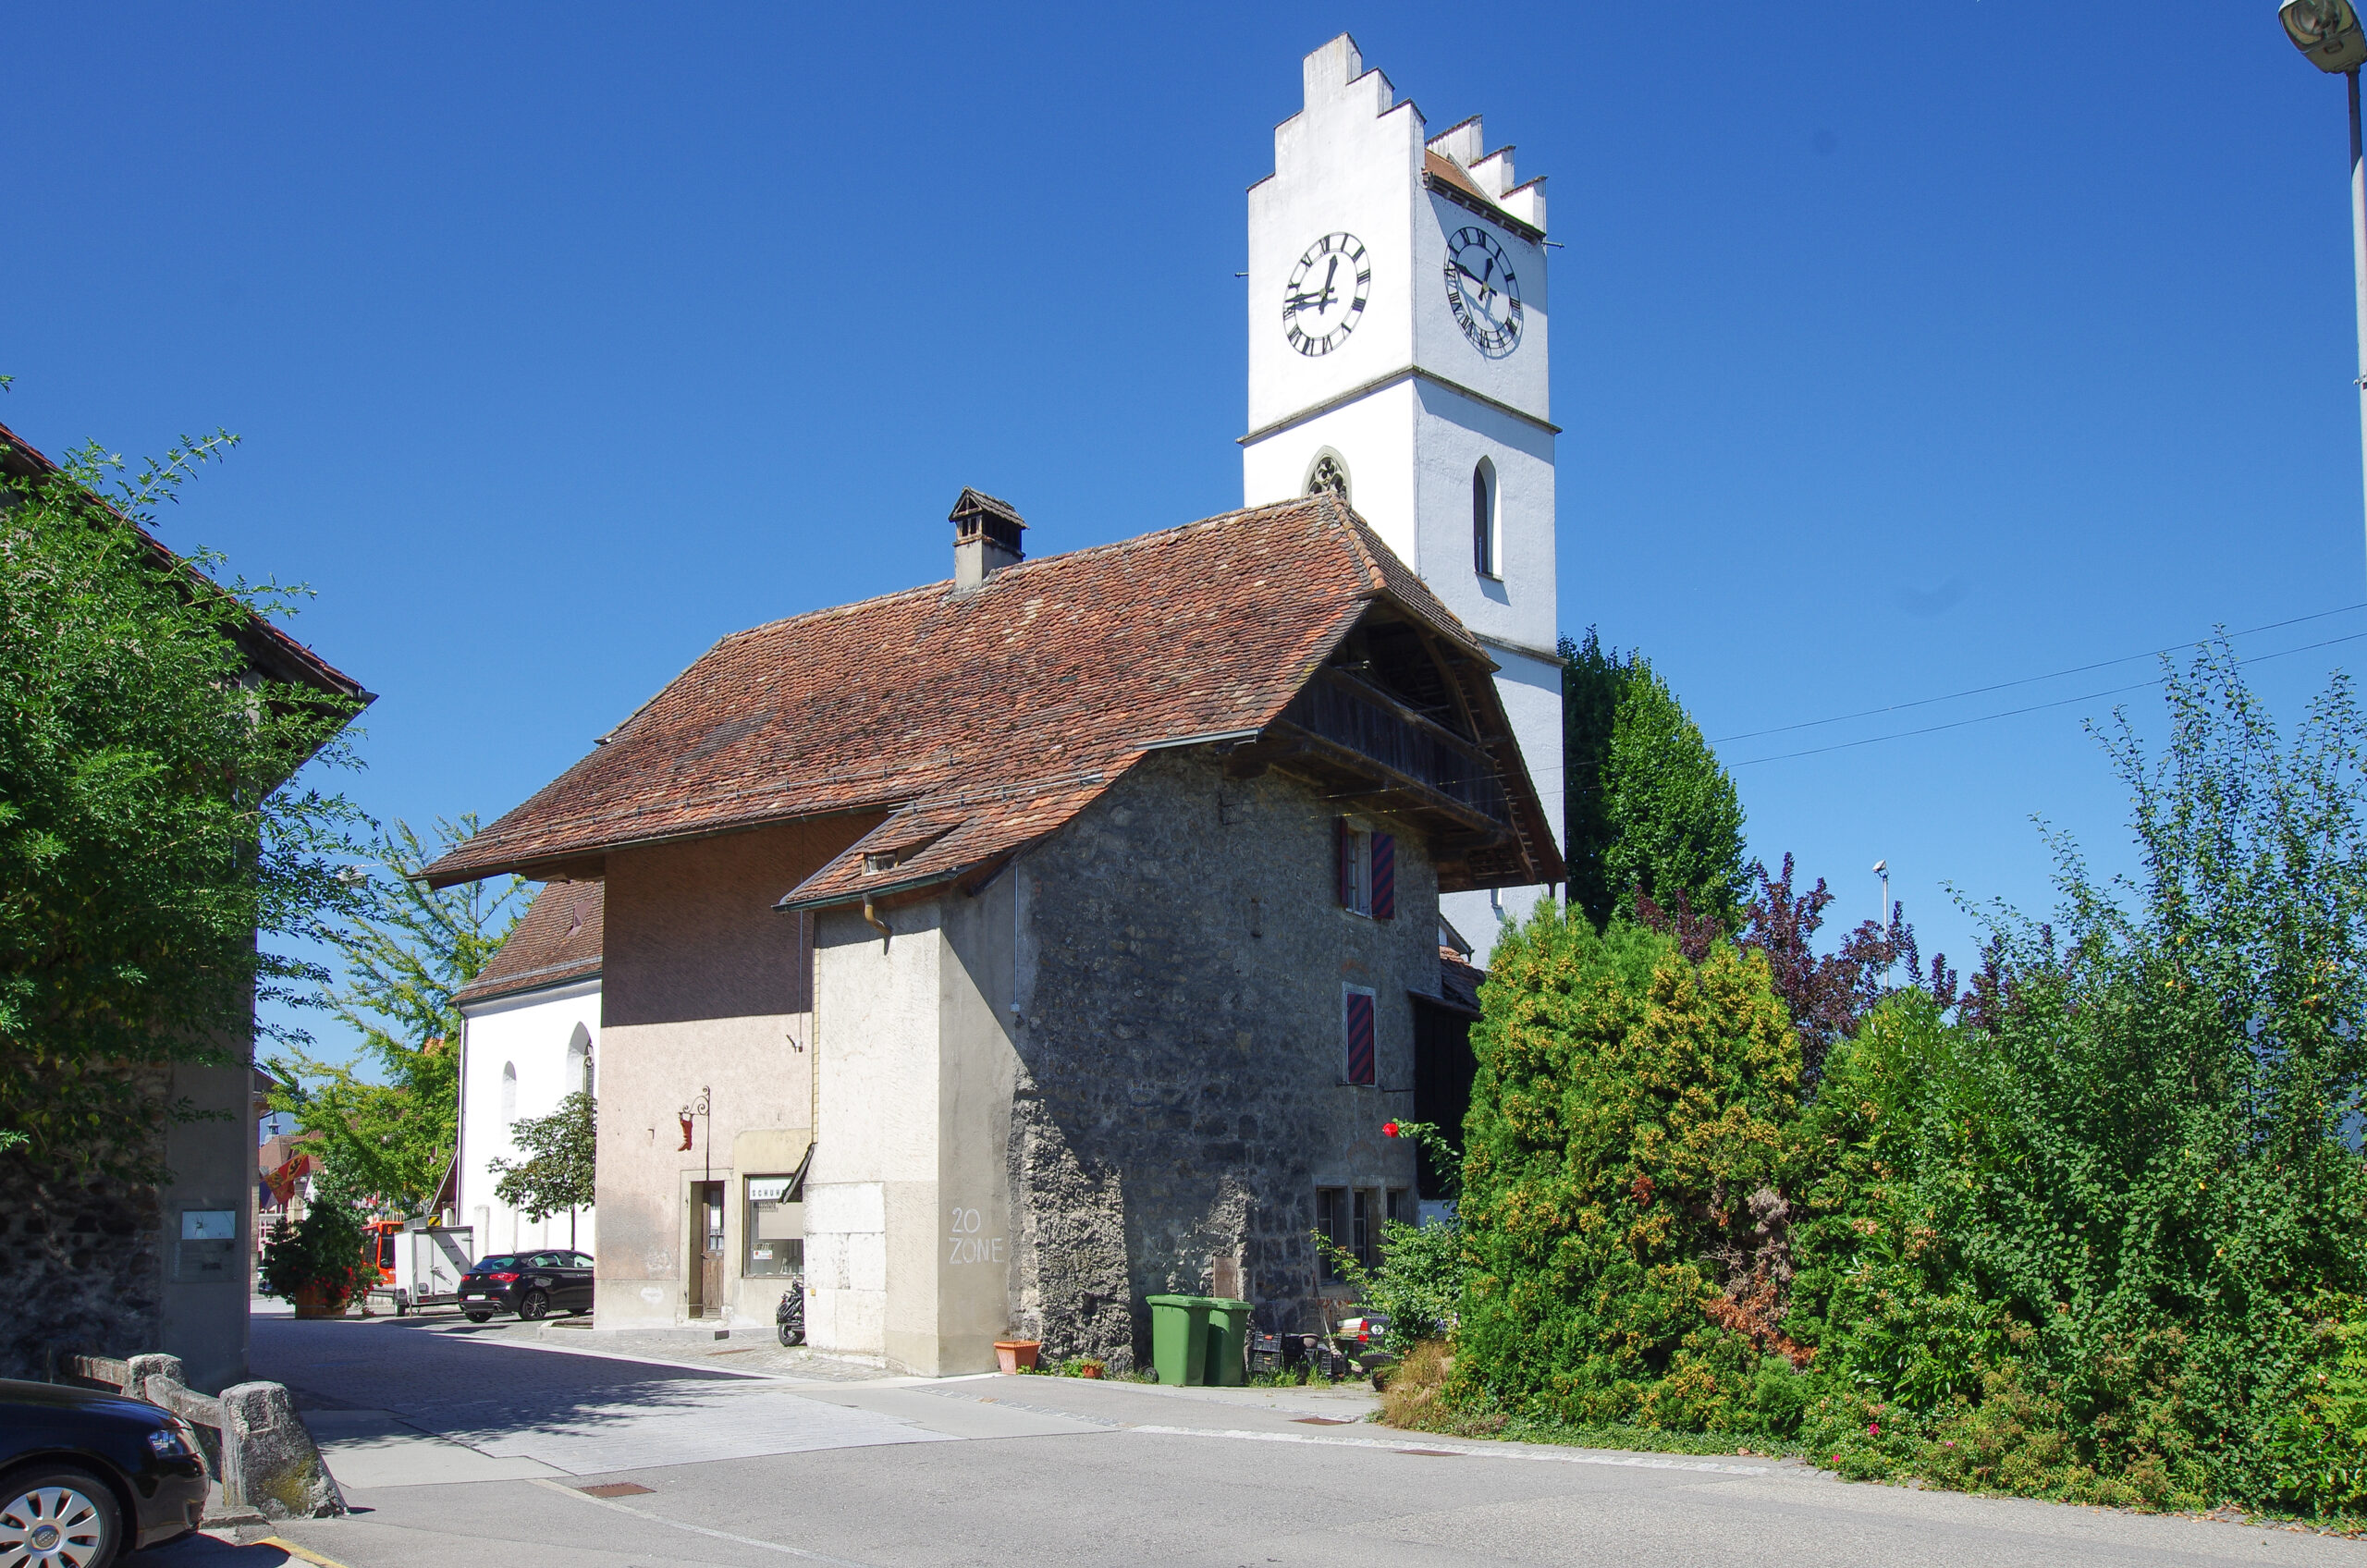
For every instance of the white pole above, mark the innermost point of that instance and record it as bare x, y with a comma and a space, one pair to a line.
2359, 262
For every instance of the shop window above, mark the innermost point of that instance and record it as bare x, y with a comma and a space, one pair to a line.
776, 1228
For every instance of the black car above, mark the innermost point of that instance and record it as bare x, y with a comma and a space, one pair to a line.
532, 1285
88, 1475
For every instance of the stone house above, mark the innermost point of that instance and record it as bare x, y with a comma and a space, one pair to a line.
109, 1266
1027, 943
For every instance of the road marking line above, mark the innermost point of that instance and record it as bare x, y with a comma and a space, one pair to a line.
292, 1550
695, 1530
1385, 1445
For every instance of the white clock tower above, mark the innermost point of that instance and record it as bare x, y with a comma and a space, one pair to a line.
1397, 342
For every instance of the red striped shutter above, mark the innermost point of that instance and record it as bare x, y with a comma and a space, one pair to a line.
1347, 838
1384, 877
1360, 1051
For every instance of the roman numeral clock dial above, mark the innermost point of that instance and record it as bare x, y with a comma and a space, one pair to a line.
1483, 292
1324, 297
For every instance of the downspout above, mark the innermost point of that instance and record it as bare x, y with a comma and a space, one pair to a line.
874, 921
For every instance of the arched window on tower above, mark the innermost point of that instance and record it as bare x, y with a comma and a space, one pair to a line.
1483, 520
579, 1063
1329, 472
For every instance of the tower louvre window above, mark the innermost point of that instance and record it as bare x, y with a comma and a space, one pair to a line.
1483, 520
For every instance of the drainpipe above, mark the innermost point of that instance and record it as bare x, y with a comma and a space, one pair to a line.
874, 921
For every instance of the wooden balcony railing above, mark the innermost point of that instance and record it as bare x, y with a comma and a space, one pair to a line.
1346, 712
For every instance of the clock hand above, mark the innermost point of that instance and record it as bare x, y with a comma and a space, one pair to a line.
1328, 274
1486, 292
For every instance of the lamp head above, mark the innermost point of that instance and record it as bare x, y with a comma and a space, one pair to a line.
1882, 867
2327, 32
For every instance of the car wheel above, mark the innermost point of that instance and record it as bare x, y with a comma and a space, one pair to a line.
59, 1519
477, 1316
533, 1305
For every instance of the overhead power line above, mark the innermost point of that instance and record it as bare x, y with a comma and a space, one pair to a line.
2037, 707
2025, 680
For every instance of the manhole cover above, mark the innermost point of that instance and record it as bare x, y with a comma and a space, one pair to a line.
615, 1488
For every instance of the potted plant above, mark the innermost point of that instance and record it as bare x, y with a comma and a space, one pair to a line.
1014, 1356
317, 1262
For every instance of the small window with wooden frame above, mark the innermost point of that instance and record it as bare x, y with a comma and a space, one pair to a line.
1367, 870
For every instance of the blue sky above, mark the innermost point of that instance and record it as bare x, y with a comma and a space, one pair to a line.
1899, 350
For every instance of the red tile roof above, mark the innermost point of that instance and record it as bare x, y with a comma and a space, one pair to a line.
556, 941
984, 720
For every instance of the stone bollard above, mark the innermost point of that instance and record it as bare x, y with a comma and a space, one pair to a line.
269, 1463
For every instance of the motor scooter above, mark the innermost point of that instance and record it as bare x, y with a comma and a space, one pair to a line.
788, 1317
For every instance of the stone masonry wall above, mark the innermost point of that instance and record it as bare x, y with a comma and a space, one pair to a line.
79, 1269
1181, 962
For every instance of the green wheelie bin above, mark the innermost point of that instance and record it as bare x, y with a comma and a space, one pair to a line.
1227, 1357
1179, 1338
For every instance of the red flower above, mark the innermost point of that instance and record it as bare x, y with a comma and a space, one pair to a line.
1389, 1128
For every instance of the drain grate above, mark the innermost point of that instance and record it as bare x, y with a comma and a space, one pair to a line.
1324, 1421
616, 1488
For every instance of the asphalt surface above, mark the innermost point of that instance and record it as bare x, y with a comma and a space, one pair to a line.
459, 1448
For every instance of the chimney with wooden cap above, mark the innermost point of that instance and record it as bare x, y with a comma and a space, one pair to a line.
986, 539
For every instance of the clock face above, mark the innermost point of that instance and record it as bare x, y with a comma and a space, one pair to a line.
1483, 291
1324, 297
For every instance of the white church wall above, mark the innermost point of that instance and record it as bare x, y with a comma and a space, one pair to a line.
524, 1040
1378, 430
1519, 377
1517, 606
1340, 165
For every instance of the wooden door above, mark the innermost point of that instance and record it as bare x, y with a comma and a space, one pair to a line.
707, 1221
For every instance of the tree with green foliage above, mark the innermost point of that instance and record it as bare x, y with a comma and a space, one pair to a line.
2120, 1205
558, 1170
156, 859
406, 952
1647, 806
2102, 1236
1627, 1137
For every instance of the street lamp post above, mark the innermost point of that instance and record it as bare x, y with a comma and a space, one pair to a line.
1882, 869
2328, 32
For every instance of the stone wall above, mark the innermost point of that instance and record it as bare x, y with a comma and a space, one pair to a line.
1181, 954
109, 1267
80, 1268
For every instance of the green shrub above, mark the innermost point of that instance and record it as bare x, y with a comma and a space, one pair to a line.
325, 1249
2102, 1237
1627, 1128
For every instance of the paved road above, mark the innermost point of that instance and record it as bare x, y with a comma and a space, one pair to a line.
474, 1449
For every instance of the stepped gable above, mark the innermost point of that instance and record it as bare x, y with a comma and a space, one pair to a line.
976, 721
556, 941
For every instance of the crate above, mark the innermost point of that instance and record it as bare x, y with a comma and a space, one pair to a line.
1267, 1355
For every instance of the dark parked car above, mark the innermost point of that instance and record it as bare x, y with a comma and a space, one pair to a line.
532, 1285
86, 1475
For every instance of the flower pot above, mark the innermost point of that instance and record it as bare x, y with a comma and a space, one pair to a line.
316, 1301
1016, 1355
1090, 1370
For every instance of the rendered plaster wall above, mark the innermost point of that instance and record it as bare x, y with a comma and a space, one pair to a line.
1182, 956
704, 988
908, 1251
530, 1033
